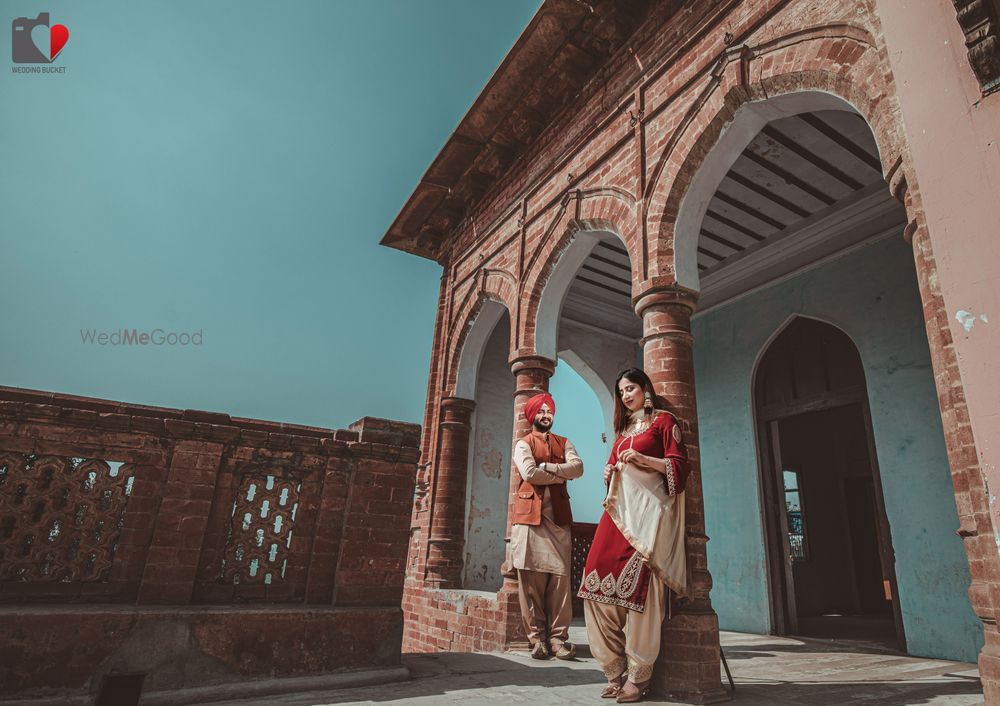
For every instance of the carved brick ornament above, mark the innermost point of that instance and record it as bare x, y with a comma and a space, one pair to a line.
60, 518
980, 21
260, 536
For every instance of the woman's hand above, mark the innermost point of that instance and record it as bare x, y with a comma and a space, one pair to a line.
640, 461
608, 470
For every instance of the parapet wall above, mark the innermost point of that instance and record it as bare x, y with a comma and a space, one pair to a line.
195, 548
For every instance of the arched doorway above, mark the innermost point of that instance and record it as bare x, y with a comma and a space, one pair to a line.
831, 565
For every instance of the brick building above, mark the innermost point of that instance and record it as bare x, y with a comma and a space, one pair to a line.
783, 209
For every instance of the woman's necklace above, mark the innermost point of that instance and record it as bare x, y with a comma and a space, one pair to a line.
638, 423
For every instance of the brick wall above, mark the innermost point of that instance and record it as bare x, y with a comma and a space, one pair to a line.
262, 549
447, 620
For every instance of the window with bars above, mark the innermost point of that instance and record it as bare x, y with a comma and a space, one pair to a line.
794, 515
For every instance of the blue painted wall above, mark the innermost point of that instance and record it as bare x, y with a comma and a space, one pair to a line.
872, 295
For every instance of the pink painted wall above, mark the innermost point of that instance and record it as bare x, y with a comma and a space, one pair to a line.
954, 137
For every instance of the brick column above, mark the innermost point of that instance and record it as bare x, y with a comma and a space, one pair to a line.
179, 533
975, 526
447, 530
531, 374
376, 514
437, 358
689, 666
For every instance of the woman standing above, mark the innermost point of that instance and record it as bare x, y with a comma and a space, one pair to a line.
638, 556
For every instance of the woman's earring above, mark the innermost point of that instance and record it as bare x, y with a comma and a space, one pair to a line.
648, 404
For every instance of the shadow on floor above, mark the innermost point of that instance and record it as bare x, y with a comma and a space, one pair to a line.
859, 692
811, 646
448, 673
805, 673
454, 678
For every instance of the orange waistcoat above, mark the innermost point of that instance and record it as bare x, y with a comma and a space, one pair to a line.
528, 498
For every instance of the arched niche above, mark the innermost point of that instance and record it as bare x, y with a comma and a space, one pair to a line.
485, 377
489, 315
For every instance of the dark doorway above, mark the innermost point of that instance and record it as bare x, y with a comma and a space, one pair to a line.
830, 559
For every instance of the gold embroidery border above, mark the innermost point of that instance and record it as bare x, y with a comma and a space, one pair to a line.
628, 582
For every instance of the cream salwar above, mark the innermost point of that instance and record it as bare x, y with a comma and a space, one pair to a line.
623, 640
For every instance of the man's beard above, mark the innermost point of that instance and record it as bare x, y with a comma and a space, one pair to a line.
539, 427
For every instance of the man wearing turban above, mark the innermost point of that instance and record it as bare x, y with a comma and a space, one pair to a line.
540, 539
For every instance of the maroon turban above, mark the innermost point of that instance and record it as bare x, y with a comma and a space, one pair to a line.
532, 406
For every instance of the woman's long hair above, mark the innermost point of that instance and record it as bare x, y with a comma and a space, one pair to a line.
636, 376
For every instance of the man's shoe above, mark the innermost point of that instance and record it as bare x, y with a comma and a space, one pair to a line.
566, 651
540, 651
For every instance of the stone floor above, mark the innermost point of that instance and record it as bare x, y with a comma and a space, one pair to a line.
768, 671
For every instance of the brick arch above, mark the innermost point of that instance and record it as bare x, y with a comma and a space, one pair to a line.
490, 297
583, 217
835, 67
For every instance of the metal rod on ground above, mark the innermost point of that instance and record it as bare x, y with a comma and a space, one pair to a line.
725, 665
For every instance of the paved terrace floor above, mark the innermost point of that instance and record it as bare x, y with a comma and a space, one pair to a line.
772, 671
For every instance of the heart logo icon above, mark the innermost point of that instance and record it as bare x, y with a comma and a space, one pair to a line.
50, 40
34, 41
57, 40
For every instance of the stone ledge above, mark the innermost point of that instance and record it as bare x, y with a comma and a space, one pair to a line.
188, 653
245, 690
276, 687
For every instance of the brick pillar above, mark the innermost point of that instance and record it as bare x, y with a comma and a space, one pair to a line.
376, 514
975, 525
175, 550
447, 530
437, 357
531, 374
689, 665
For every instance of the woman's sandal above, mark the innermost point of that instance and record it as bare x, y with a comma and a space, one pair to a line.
613, 688
633, 696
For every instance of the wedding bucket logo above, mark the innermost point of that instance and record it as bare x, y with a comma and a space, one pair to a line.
35, 41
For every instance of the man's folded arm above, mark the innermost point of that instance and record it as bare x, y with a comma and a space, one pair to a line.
571, 468
529, 470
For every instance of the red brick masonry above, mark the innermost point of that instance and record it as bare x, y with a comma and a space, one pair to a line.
193, 547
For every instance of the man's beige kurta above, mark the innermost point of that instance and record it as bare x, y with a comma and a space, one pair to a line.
541, 554
546, 547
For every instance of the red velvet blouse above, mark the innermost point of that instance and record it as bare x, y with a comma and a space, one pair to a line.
661, 440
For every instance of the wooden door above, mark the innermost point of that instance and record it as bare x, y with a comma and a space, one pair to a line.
810, 367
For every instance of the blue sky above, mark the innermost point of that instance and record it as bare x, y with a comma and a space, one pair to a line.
229, 168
